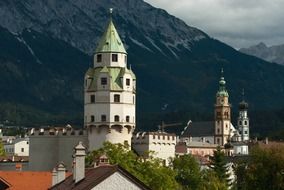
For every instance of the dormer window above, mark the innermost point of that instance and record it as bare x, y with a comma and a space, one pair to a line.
114, 57
103, 81
99, 58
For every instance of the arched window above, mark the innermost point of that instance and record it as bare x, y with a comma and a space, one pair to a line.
116, 118
246, 122
127, 118
103, 117
99, 58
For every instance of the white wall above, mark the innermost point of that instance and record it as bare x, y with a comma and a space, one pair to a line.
116, 182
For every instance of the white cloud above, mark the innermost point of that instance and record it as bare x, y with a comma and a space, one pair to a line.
239, 23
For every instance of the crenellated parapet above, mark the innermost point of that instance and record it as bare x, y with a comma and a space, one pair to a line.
56, 131
159, 138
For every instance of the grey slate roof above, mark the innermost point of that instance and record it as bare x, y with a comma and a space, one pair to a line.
199, 129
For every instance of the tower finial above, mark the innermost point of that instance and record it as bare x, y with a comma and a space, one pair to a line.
110, 12
222, 72
243, 94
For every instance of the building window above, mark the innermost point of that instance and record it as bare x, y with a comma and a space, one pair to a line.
218, 131
99, 58
92, 118
92, 98
246, 132
114, 57
218, 141
127, 118
116, 118
127, 82
116, 98
103, 118
103, 81
22, 149
240, 122
218, 114
246, 122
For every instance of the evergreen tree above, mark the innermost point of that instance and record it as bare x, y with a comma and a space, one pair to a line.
219, 166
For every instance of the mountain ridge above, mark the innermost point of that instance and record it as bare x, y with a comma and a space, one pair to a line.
175, 64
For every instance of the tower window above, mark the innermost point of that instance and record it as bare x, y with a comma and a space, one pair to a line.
116, 98
246, 122
127, 82
218, 114
246, 132
92, 118
127, 118
218, 131
114, 57
103, 118
92, 98
116, 118
103, 81
240, 122
99, 58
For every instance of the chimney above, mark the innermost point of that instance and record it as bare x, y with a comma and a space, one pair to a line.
61, 172
54, 177
79, 162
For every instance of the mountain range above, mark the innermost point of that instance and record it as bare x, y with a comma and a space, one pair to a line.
46, 47
272, 54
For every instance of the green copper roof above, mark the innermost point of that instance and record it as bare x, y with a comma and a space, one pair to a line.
110, 41
222, 86
115, 74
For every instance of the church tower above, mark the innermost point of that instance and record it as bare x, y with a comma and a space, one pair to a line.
222, 114
243, 120
109, 93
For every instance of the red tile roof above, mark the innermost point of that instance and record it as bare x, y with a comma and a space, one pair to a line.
27, 180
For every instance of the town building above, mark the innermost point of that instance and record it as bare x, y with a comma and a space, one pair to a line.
102, 176
17, 147
110, 88
156, 144
50, 146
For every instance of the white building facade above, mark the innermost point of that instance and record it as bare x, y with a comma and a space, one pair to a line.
110, 88
160, 144
243, 121
18, 147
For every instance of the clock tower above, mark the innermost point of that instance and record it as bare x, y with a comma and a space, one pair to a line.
222, 114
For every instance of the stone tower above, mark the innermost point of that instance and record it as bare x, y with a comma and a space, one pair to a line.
222, 114
110, 87
243, 120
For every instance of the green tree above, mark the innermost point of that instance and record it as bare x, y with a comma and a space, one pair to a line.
188, 172
265, 169
2, 150
210, 181
219, 165
150, 171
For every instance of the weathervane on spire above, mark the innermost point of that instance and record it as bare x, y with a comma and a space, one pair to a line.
110, 11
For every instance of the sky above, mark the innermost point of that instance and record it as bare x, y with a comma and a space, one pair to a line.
239, 23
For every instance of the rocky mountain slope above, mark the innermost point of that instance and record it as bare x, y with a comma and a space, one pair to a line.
273, 54
46, 47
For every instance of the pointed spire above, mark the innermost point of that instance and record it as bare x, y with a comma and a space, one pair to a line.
222, 85
110, 41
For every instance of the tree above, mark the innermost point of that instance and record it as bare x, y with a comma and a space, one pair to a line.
2, 150
210, 181
264, 170
188, 172
219, 166
150, 171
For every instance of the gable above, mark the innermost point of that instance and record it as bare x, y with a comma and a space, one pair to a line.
116, 181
